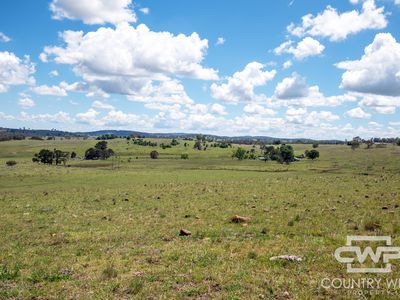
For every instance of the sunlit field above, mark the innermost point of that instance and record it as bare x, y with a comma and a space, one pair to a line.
110, 229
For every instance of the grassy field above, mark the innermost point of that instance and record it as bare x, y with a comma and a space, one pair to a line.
108, 230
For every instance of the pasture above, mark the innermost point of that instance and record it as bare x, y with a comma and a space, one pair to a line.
110, 229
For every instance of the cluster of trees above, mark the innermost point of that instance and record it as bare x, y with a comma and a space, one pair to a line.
107, 136
282, 154
221, 145
356, 142
100, 151
173, 143
142, 142
200, 143
5, 136
165, 146
241, 153
49, 157
387, 140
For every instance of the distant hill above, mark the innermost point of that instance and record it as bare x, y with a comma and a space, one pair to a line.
126, 133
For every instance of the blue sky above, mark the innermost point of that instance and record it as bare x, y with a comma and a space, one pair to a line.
318, 69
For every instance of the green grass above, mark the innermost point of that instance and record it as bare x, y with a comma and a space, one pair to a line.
102, 230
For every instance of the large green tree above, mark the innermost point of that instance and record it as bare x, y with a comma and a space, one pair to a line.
286, 154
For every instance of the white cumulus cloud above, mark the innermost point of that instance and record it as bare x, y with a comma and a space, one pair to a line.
102, 105
218, 109
53, 73
337, 26
292, 87
287, 64
49, 90
358, 113
294, 90
26, 103
132, 61
258, 109
93, 11
305, 48
377, 72
15, 71
240, 86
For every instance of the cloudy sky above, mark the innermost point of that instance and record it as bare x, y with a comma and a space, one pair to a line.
288, 68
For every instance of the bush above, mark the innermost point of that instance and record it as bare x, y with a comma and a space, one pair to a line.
354, 145
239, 153
11, 163
184, 156
315, 145
271, 153
197, 145
154, 154
312, 154
174, 142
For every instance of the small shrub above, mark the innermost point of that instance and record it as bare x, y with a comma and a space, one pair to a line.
312, 154
154, 154
11, 163
184, 156
239, 153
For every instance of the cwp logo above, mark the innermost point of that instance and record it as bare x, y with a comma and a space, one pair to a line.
381, 256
